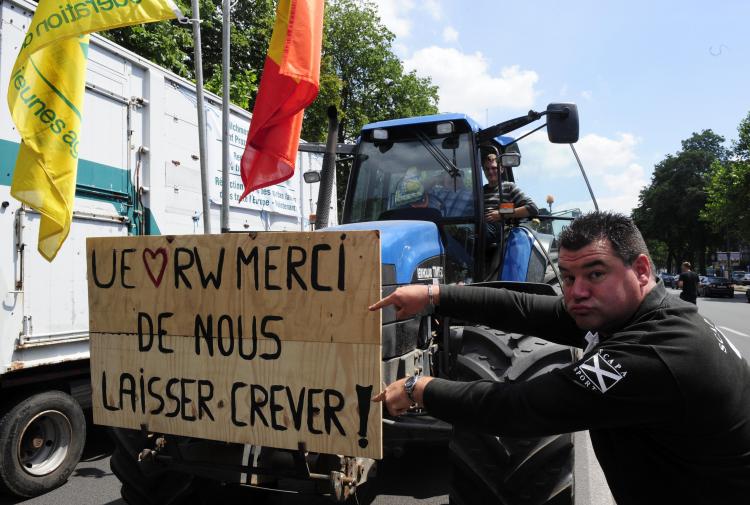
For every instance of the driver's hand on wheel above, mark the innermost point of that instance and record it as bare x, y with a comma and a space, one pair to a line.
409, 300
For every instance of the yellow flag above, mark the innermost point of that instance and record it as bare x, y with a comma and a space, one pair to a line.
45, 97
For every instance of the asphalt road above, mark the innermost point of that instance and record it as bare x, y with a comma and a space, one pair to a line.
420, 477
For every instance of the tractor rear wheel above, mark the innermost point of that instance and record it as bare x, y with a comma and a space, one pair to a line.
503, 470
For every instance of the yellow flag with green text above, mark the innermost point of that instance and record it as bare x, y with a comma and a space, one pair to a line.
45, 97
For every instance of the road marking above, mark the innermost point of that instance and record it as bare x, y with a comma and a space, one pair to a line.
735, 331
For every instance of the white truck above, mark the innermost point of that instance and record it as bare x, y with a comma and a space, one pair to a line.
138, 174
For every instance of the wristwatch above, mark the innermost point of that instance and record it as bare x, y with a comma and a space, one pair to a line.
409, 385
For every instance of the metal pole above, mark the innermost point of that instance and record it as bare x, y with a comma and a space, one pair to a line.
328, 173
201, 115
225, 52
585, 178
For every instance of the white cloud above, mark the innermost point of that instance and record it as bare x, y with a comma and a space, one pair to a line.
586, 94
610, 163
466, 84
395, 15
432, 7
450, 34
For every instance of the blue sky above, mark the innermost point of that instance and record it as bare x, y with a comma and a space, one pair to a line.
645, 75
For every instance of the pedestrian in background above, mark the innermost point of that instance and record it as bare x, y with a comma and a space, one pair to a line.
688, 283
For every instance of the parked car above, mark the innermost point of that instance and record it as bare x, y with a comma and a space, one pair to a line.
669, 280
745, 280
738, 276
710, 286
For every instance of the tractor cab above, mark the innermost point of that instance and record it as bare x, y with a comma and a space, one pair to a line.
429, 169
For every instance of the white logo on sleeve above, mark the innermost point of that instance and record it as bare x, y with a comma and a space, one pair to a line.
599, 372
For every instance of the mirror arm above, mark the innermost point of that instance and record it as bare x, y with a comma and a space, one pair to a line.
525, 135
508, 126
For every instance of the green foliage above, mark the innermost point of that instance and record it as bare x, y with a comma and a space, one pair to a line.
728, 189
669, 208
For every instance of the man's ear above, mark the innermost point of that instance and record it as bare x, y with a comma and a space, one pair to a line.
642, 269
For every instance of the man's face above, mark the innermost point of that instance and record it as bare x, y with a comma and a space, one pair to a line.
600, 291
491, 169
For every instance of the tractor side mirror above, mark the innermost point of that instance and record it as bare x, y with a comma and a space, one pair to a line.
562, 123
510, 160
311, 176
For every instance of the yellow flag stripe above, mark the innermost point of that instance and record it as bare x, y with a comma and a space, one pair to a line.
55, 90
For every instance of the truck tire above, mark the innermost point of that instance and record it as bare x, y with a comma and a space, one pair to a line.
503, 470
41, 441
145, 483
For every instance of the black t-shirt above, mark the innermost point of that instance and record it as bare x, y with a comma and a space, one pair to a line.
666, 398
689, 281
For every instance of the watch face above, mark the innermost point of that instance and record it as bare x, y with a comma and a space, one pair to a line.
410, 382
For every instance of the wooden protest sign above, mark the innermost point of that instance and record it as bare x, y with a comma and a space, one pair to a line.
258, 338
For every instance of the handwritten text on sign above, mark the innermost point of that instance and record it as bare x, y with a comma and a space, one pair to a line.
261, 338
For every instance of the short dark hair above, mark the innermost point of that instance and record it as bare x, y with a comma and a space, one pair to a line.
626, 239
687, 265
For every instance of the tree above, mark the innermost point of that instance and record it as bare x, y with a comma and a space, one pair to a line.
728, 190
170, 44
669, 208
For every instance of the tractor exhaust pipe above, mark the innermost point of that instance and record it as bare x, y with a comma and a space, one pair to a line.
328, 172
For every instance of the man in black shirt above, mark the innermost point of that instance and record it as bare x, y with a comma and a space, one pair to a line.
664, 394
688, 283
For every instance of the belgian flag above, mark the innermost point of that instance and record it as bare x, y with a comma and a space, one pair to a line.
290, 83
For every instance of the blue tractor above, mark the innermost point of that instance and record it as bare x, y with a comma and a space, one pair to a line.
419, 182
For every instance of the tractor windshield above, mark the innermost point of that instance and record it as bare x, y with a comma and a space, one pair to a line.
413, 171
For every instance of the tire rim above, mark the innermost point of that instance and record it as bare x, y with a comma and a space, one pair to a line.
44, 442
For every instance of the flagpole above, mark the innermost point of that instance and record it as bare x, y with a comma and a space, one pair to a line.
225, 57
201, 115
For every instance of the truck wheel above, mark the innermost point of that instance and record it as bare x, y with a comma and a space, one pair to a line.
41, 441
505, 470
145, 483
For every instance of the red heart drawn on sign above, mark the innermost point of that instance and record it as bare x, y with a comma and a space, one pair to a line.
147, 262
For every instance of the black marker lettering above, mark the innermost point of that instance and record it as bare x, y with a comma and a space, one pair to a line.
225, 351
124, 268
104, 393
269, 267
156, 395
173, 397
127, 390
312, 410
235, 387
275, 407
215, 279
204, 398
256, 404
245, 260
315, 268
330, 409
99, 284
185, 400
291, 266
271, 336
179, 269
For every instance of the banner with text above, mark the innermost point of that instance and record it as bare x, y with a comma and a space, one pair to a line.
280, 199
256, 338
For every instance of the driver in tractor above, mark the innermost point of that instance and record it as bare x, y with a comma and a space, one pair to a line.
501, 201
